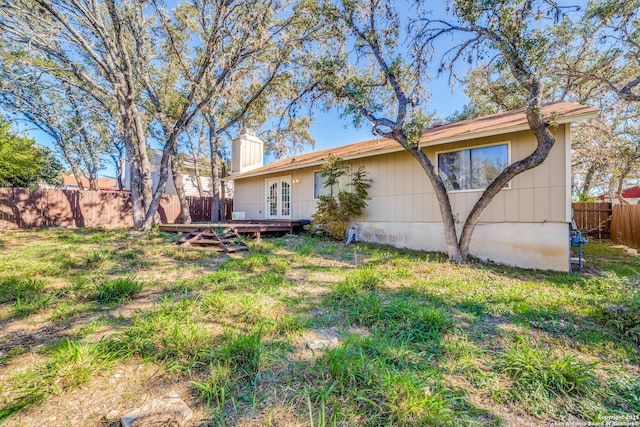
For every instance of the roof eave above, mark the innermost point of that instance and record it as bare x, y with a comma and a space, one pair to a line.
454, 138
510, 129
293, 166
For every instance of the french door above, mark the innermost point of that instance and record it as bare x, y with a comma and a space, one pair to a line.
278, 198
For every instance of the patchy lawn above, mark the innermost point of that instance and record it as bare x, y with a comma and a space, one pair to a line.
95, 323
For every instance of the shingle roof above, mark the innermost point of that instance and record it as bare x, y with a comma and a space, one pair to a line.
510, 121
103, 183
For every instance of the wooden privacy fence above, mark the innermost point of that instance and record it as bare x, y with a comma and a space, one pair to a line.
34, 208
625, 225
593, 219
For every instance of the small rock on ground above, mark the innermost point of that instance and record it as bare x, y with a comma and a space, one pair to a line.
324, 338
169, 410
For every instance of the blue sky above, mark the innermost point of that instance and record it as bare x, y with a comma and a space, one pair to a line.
329, 129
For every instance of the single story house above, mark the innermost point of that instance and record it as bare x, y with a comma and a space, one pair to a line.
526, 225
189, 179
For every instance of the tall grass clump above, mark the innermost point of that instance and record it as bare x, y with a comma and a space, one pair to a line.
540, 376
353, 286
15, 288
249, 264
405, 319
26, 295
216, 388
370, 379
70, 364
117, 290
625, 317
168, 337
249, 354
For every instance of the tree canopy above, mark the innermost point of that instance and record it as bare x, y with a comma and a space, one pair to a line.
23, 163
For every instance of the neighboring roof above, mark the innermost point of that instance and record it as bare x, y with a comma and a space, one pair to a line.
629, 193
507, 122
103, 183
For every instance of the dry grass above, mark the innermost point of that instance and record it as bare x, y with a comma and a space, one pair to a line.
94, 323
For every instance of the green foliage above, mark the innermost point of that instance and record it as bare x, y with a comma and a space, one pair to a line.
216, 386
26, 295
167, 336
372, 374
20, 159
51, 170
249, 354
117, 290
414, 349
626, 317
533, 369
415, 127
70, 364
14, 288
334, 211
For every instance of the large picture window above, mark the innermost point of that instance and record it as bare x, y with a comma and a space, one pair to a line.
320, 190
473, 168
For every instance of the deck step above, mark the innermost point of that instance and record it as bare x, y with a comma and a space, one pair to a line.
218, 240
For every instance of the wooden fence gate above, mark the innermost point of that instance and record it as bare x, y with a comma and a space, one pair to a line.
593, 219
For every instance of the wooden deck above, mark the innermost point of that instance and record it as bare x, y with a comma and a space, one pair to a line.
241, 227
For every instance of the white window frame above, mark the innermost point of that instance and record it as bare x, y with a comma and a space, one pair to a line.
319, 171
471, 147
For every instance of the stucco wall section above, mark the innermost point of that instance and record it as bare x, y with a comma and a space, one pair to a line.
542, 246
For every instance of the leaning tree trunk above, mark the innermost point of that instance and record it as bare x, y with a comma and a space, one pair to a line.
78, 177
588, 181
448, 221
179, 184
215, 172
198, 180
223, 195
545, 142
621, 199
195, 154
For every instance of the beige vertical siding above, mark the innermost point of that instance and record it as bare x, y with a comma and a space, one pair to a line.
402, 194
191, 186
401, 191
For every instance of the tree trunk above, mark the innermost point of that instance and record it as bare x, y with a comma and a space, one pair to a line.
137, 204
185, 214
448, 220
133, 145
93, 181
223, 195
77, 176
195, 154
588, 181
214, 146
146, 184
545, 140
119, 171
196, 171
621, 179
